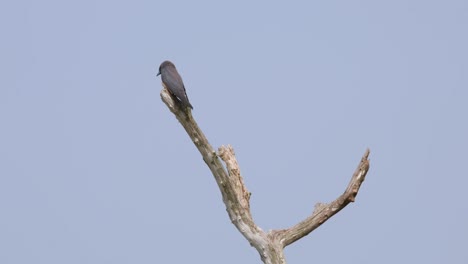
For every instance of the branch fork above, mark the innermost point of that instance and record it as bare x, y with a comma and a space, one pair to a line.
236, 197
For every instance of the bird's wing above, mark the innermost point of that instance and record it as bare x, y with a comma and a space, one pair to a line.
174, 83
172, 79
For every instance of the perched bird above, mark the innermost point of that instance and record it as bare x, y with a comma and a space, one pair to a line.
173, 82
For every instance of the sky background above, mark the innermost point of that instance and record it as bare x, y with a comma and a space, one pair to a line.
95, 169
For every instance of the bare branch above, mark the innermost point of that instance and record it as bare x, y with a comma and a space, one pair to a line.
235, 194
323, 212
236, 197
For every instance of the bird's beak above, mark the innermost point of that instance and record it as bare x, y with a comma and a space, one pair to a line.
159, 73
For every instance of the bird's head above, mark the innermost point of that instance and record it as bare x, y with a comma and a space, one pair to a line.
164, 65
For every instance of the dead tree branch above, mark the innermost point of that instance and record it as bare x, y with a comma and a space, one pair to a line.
236, 197
323, 212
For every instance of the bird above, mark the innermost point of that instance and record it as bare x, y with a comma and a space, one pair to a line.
173, 82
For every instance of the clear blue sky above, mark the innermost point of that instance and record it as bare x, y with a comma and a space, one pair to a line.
95, 169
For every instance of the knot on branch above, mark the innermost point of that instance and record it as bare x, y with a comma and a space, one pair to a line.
318, 207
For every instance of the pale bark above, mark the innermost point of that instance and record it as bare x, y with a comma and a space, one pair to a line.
236, 197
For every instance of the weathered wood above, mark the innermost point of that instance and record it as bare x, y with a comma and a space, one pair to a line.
236, 197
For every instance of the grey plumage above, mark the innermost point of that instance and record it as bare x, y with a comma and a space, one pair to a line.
173, 82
